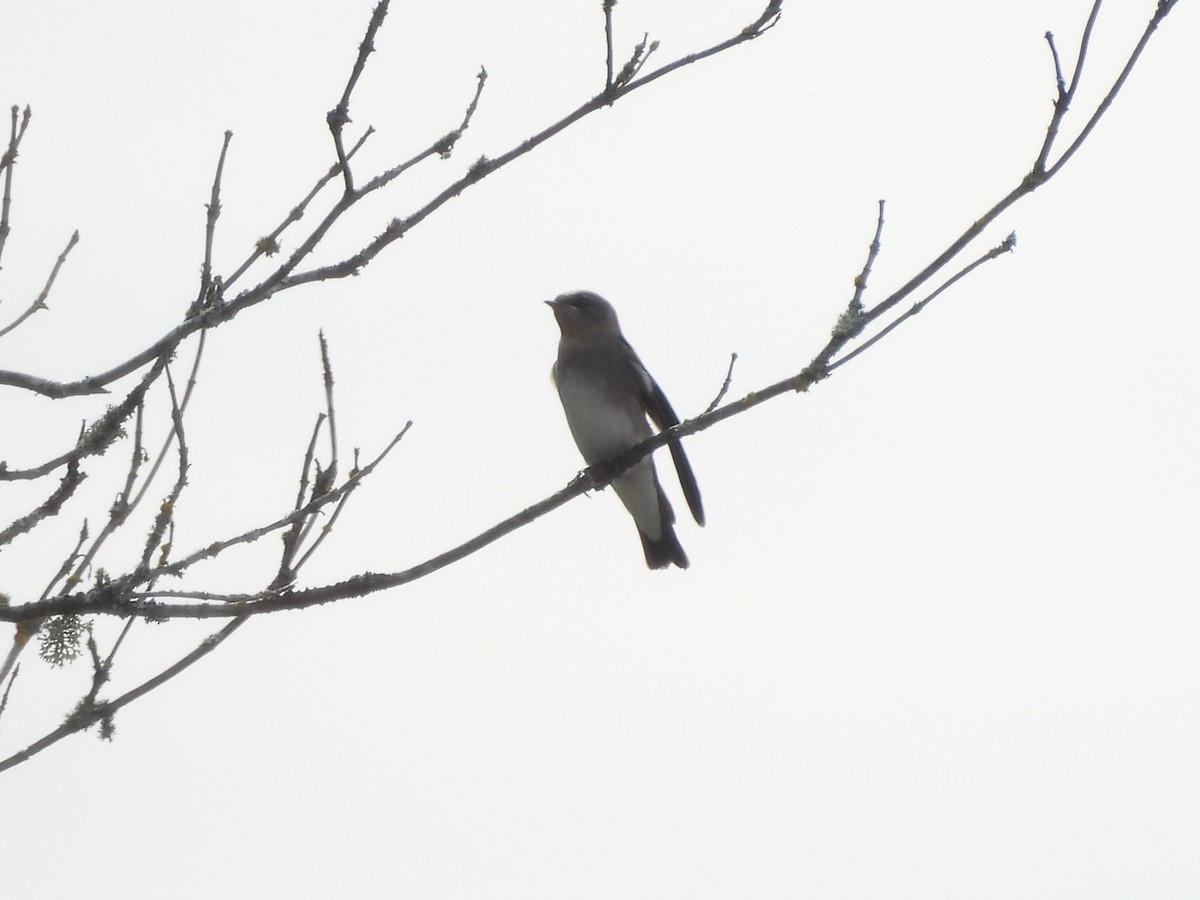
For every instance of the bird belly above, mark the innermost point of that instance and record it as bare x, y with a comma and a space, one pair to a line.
602, 429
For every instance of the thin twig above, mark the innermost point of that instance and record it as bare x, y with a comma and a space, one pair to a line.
97, 438
52, 505
1162, 10
636, 61
40, 301
269, 245
398, 227
206, 294
716, 401
8, 162
176, 568
339, 116
1058, 72
86, 717
7, 689
850, 323
330, 472
1005, 246
291, 538
171, 433
166, 510
28, 627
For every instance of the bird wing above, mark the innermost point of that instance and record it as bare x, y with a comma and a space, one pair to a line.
658, 407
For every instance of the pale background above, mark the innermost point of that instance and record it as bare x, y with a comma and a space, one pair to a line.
939, 636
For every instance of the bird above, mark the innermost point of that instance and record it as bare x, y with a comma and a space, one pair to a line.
607, 394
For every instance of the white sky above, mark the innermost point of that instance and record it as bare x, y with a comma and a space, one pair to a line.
939, 636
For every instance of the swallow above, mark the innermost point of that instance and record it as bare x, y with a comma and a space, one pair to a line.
607, 395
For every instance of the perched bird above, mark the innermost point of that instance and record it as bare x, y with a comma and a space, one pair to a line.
607, 394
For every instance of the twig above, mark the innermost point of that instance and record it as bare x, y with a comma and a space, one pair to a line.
850, 323
1058, 72
1062, 102
64, 570
1005, 246
330, 473
40, 301
166, 511
725, 386
269, 245
28, 627
88, 716
291, 539
177, 567
206, 294
7, 163
98, 437
171, 433
326, 477
608, 42
71, 480
1037, 176
106, 601
1161, 11
339, 116
629, 71
398, 227
7, 689
442, 147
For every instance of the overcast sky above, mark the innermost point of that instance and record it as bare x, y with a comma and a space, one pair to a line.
938, 638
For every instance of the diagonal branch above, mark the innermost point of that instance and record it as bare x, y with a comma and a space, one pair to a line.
339, 116
283, 278
40, 301
160, 604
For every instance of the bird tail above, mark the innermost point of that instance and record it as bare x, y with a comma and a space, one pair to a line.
661, 553
666, 550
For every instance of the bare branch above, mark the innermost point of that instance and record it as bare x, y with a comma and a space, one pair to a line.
171, 434
269, 245
329, 474
96, 439
282, 596
7, 163
89, 715
296, 515
210, 224
1161, 11
166, 511
1005, 246
135, 595
850, 323
283, 278
291, 539
339, 116
71, 479
1062, 102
